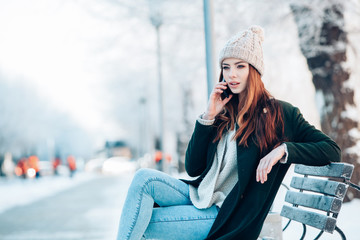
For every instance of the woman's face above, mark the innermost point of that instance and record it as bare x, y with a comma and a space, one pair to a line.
235, 72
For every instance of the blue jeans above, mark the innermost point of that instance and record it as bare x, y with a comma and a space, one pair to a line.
176, 218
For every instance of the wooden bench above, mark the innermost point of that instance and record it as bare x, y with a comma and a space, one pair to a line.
319, 199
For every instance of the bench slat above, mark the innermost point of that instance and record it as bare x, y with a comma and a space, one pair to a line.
316, 220
336, 170
327, 187
321, 202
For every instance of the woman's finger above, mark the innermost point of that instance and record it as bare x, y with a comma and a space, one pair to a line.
220, 87
269, 167
264, 176
260, 171
226, 100
264, 166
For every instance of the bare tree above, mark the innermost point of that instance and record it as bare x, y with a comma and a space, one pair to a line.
323, 42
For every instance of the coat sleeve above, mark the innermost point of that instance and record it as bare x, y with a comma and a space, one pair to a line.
196, 152
309, 146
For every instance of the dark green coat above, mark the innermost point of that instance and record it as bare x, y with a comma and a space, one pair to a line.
245, 208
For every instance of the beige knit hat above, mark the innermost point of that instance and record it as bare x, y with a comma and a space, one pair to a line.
246, 45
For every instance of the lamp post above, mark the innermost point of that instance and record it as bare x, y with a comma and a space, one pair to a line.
209, 44
142, 127
157, 21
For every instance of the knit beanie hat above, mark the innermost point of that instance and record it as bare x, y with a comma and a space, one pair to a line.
246, 45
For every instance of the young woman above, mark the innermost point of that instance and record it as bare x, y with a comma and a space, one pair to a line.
240, 151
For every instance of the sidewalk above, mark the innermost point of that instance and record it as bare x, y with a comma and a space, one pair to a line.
17, 191
88, 210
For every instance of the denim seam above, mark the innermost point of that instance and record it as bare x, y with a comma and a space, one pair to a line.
141, 197
185, 220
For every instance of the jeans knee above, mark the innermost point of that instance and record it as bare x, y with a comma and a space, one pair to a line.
141, 180
143, 175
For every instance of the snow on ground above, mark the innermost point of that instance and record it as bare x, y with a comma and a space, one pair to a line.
16, 192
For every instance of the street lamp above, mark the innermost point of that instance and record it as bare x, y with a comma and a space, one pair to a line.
157, 21
209, 44
143, 136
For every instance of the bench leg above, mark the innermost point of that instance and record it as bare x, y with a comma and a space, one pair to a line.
340, 232
319, 235
304, 232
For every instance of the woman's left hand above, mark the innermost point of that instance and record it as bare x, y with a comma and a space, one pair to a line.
267, 162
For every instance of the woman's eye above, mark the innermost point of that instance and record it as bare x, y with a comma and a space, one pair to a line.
225, 67
240, 66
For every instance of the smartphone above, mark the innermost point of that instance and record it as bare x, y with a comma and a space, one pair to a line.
226, 93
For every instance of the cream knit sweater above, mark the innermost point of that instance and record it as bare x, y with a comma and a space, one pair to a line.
222, 176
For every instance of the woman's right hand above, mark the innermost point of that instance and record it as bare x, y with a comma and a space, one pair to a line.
216, 104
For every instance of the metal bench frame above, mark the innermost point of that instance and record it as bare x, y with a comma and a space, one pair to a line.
330, 186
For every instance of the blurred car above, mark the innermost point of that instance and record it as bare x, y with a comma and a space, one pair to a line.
118, 165
94, 165
46, 168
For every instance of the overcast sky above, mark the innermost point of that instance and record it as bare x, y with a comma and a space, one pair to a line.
51, 45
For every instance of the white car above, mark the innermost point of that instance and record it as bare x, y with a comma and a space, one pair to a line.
118, 165
94, 165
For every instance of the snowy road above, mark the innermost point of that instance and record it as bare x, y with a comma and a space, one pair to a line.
89, 210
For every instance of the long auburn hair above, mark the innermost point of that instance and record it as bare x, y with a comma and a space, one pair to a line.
256, 113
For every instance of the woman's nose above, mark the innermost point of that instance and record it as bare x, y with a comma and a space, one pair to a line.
232, 73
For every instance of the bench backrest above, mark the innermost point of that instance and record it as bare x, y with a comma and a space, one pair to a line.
318, 193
